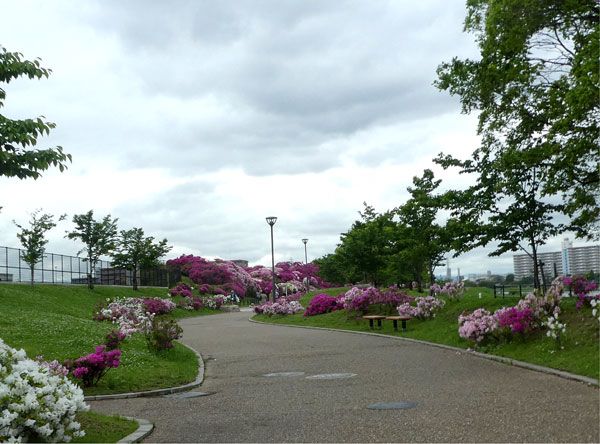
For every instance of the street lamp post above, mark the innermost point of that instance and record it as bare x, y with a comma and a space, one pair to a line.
271, 221
304, 241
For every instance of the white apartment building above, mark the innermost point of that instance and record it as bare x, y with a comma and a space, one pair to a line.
569, 261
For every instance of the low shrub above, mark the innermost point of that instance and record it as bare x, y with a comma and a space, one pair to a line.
181, 290
280, 307
162, 333
425, 308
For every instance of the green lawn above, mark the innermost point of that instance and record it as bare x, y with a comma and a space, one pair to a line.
56, 322
103, 428
581, 345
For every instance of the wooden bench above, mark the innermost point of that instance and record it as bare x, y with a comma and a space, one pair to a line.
399, 318
372, 318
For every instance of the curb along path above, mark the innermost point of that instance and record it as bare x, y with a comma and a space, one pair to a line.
504, 360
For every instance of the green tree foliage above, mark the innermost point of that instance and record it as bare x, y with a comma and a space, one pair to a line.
98, 237
135, 252
422, 242
365, 248
536, 89
33, 238
16, 136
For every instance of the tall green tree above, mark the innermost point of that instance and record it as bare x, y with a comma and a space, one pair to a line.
18, 136
422, 241
33, 238
99, 238
535, 89
135, 252
365, 248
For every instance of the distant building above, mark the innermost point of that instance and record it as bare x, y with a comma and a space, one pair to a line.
448, 273
569, 261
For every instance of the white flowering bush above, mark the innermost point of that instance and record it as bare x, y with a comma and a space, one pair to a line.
35, 403
595, 303
129, 314
556, 329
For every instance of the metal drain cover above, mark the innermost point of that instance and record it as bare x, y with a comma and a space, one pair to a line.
392, 405
284, 374
332, 376
186, 395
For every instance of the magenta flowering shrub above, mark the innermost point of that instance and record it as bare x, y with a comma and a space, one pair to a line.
362, 301
516, 320
322, 303
477, 326
181, 290
91, 368
581, 287
158, 306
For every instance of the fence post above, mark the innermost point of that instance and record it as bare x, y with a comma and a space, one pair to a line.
520, 291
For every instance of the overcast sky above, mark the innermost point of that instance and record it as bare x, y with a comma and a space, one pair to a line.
197, 119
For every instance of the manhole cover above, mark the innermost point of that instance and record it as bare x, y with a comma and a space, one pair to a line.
284, 374
186, 395
332, 376
392, 405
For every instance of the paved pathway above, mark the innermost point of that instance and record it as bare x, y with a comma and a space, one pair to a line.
459, 397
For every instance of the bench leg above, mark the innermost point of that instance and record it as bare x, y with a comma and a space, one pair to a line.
379, 324
395, 324
403, 325
371, 324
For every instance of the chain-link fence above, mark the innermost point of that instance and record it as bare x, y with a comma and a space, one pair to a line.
63, 269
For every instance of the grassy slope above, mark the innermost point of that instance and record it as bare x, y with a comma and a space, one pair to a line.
56, 322
581, 346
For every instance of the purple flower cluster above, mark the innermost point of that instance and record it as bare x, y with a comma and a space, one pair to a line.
517, 320
181, 290
158, 306
54, 367
323, 303
581, 287
92, 367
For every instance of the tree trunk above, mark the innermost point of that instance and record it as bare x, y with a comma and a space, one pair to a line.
134, 278
431, 279
536, 272
31, 269
89, 276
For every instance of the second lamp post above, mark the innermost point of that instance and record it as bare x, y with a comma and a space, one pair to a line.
271, 221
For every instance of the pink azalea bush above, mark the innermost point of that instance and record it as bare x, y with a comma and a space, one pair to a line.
91, 368
280, 307
323, 303
361, 301
477, 326
453, 290
426, 307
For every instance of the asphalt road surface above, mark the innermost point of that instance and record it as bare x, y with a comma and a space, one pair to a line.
455, 396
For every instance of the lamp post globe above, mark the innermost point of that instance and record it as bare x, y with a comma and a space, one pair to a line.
271, 221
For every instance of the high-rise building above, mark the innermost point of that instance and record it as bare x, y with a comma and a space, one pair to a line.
448, 272
569, 261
